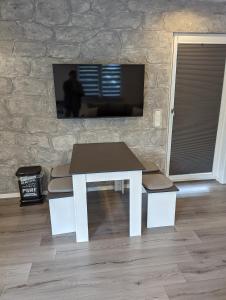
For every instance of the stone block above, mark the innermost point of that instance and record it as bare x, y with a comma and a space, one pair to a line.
137, 39
185, 21
64, 143
142, 5
7, 171
6, 48
153, 20
23, 105
160, 55
150, 79
63, 51
10, 30
157, 97
38, 32
156, 6
104, 44
9, 123
80, 6
8, 184
31, 140
150, 153
12, 155
73, 34
122, 20
158, 137
49, 158
52, 12
69, 125
107, 7
5, 86
216, 23
161, 74
17, 10
103, 123
164, 76
30, 86
98, 136
134, 137
11, 66
8, 137
30, 49
136, 55
88, 20
42, 68
42, 125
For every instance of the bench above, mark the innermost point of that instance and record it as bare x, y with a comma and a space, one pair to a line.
61, 205
161, 205
61, 171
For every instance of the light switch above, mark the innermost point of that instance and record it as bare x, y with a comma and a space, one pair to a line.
157, 118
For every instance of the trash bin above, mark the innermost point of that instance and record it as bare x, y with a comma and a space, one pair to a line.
30, 185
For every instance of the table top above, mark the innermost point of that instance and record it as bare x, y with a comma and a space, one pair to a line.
103, 157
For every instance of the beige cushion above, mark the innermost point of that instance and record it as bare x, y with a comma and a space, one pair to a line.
61, 171
150, 167
60, 185
156, 182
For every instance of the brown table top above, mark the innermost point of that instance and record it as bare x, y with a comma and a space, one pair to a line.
103, 157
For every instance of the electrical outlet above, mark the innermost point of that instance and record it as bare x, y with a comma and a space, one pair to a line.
157, 118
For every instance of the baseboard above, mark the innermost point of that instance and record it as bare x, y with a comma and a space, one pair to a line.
10, 195
191, 177
90, 189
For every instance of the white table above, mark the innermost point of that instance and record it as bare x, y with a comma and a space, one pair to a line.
105, 162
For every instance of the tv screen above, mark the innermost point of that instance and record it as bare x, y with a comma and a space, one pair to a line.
94, 90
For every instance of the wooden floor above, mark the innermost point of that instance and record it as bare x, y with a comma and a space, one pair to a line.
187, 262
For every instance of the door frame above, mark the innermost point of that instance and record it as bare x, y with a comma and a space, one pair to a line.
219, 163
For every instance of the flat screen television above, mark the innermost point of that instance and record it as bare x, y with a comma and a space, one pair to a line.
95, 90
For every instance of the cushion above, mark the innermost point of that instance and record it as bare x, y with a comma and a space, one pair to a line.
156, 182
60, 185
150, 167
61, 171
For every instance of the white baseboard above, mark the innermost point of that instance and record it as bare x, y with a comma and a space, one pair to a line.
191, 177
10, 195
90, 189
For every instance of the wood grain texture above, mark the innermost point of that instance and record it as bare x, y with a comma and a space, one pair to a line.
187, 262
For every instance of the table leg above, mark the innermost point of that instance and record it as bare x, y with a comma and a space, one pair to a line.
80, 206
135, 206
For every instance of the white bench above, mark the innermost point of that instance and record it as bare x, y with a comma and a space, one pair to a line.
161, 200
61, 205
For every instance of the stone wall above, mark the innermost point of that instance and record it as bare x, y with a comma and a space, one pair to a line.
36, 33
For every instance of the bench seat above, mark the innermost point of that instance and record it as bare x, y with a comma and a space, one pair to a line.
61, 171
61, 205
60, 185
161, 200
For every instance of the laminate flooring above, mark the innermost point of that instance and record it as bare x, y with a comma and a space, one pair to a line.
185, 262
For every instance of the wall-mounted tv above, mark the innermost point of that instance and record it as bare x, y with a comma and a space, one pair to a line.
95, 90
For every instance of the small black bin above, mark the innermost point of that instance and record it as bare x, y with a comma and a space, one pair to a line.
30, 185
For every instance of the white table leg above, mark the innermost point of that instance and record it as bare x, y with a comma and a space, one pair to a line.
135, 207
80, 205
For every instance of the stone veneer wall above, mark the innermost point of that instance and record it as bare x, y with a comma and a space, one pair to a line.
36, 33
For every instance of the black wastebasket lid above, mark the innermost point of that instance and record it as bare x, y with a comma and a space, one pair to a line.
29, 171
